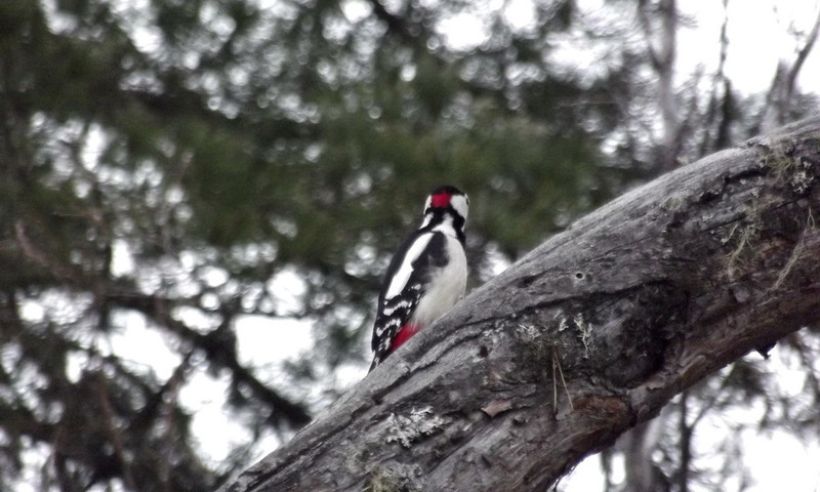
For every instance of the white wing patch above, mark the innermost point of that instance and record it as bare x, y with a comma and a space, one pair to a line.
392, 322
389, 310
399, 280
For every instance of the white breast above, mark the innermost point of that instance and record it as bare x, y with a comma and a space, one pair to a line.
447, 285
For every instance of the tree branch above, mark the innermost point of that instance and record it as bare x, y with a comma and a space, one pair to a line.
639, 300
802, 54
219, 351
780, 97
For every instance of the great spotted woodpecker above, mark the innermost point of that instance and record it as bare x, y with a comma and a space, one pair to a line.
426, 276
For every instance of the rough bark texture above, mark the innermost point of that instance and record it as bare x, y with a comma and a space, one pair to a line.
592, 332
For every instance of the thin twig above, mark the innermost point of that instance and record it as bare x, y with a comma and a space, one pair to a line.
113, 434
36, 255
556, 362
796, 254
554, 385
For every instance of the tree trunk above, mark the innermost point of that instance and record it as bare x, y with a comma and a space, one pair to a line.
586, 336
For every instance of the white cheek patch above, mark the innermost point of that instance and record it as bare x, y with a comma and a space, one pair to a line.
427, 204
460, 204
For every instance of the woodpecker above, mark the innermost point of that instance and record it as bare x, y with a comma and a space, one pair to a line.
427, 274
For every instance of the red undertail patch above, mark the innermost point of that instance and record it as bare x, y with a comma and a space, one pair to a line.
404, 334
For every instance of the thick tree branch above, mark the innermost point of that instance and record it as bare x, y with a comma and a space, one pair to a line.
636, 301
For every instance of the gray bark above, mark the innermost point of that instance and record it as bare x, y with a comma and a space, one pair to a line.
588, 335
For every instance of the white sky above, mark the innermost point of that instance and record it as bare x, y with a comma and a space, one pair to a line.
758, 32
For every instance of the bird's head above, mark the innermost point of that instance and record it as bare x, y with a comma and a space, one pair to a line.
448, 200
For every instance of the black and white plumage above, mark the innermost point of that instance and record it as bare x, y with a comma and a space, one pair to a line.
426, 276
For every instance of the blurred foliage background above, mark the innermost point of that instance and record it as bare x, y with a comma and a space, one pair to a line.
172, 169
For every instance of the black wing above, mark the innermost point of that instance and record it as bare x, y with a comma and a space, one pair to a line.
393, 312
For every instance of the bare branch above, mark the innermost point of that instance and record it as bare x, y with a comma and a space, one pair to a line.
780, 97
114, 434
802, 54
216, 349
709, 142
662, 55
